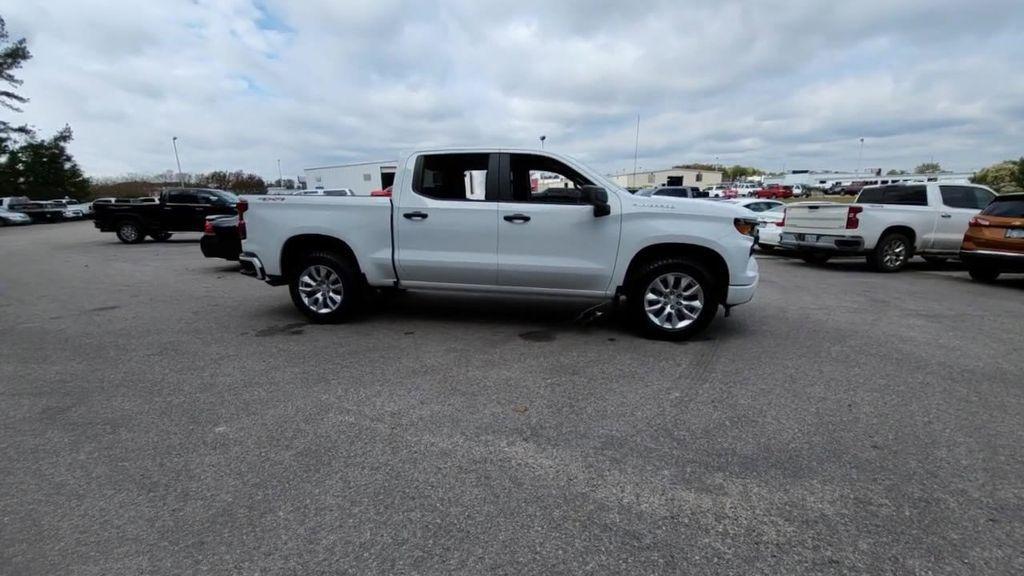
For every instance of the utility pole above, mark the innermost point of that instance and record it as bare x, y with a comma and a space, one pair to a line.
860, 156
174, 143
636, 147
280, 178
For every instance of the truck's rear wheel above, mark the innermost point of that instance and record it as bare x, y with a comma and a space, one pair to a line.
129, 232
325, 288
673, 299
161, 236
892, 253
980, 273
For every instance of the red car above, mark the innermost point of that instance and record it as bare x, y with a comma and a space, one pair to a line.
775, 191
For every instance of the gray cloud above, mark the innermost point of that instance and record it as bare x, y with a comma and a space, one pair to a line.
793, 83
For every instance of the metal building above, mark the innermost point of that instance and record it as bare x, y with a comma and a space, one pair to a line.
362, 177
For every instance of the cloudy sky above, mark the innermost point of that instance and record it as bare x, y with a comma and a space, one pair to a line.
776, 84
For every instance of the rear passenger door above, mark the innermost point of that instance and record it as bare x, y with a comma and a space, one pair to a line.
547, 237
446, 225
959, 205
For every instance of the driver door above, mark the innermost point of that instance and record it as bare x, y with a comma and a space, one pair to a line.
547, 237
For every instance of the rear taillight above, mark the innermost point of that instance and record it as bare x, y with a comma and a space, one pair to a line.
978, 221
853, 217
208, 227
242, 207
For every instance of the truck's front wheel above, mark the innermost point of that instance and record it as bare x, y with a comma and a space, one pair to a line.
325, 288
673, 299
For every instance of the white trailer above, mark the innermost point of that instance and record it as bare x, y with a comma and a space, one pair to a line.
362, 177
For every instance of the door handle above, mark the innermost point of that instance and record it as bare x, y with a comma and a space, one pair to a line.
946, 215
415, 215
517, 218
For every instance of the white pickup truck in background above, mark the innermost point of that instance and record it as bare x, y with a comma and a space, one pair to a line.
887, 224
481, 221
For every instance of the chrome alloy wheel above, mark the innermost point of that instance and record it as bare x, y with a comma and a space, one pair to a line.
321, 289
129, 232
674, 300
894, 254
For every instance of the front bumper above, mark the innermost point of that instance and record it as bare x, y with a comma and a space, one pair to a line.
743, 293
822, 242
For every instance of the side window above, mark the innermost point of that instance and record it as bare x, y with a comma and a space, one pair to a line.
452, 176
965, 197
182, 197
542, 179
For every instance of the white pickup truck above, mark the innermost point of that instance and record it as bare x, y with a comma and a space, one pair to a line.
481, 221
887, 224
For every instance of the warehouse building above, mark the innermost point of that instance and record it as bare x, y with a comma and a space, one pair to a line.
668, 177
362, 177
825, 179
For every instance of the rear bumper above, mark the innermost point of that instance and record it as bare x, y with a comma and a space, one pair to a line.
214, 246
1002, 261
251, 265
822, 242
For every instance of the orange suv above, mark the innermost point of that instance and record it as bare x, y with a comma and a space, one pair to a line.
994, 243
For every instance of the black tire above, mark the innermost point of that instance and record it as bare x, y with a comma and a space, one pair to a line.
351, 293
815, 258
129, 232
683, 268
984, 274
893, 252
161, 236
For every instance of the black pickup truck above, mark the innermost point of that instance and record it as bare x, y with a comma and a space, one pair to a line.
176, 210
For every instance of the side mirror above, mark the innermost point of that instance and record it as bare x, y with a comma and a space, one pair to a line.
598, 198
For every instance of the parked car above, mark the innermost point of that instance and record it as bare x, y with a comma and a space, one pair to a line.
755, 204
71, 208
746, 189
9, 218
718, 190
887, 224
673, 192
176, 210
674, 264
800, 191
774, 191
384, 192
769, 228
37, 211
994, 242
332, 192
220, 238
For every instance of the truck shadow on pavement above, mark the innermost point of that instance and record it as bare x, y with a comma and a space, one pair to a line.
533, 319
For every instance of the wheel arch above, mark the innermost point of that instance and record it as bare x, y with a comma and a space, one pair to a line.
707, 257
295, 247
900, 229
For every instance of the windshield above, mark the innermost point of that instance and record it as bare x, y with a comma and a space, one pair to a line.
230, 197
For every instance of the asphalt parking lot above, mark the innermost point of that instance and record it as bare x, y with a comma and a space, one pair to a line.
160, 413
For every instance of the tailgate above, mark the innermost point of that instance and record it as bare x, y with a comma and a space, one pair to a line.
824, 215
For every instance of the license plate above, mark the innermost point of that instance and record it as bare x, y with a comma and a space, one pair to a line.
1015, 233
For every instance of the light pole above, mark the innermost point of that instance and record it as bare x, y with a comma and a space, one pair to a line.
280, 178
174, 143
636, 147
542, 139
860, 156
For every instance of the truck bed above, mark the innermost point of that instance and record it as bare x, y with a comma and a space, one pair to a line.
363, 222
